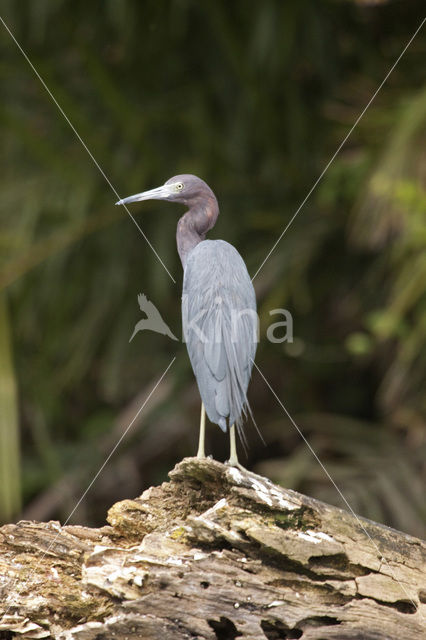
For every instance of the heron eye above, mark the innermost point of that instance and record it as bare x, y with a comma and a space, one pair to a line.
179, 186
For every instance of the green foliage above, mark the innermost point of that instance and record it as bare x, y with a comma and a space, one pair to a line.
255, 98
10, 499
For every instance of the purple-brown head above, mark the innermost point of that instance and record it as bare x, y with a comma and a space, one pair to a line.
186, 189
202, 208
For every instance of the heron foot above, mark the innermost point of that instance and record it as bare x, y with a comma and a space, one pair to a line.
233, 456
233, 462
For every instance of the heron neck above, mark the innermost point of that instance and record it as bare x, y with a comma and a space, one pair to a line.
193, 226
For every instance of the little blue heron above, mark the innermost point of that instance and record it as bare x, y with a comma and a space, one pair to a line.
218, 308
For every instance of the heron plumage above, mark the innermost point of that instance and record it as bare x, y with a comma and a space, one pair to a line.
220, 328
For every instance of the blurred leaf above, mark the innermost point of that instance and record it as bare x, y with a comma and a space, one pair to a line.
10, 484
359, 343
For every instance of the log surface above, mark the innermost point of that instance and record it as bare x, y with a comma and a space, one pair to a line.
216, 553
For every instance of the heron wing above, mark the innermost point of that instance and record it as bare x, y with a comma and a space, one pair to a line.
214, 351
220, 327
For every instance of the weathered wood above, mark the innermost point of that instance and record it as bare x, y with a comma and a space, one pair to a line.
216, 553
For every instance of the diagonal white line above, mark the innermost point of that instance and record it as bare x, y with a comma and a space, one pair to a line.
27, 580
333, 157
83, 144
118, 444
382, 558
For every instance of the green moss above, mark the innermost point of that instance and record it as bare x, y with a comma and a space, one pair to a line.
292, 521
178, 534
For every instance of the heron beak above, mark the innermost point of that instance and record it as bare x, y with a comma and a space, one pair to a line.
160, 193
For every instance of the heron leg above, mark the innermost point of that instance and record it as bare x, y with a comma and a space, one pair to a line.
201, 451
233, 457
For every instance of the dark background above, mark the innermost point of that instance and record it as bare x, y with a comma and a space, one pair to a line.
255, 97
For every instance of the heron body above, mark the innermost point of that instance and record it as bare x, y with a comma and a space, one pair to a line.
220, 328
218, 306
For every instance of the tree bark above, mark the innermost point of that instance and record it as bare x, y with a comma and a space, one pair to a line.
216, 553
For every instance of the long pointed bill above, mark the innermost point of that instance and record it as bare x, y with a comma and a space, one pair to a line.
160, 193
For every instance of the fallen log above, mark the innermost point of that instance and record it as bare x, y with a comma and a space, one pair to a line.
217, 553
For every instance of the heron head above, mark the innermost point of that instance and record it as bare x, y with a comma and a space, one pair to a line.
185, 188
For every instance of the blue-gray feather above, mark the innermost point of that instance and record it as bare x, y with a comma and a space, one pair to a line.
218, 297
